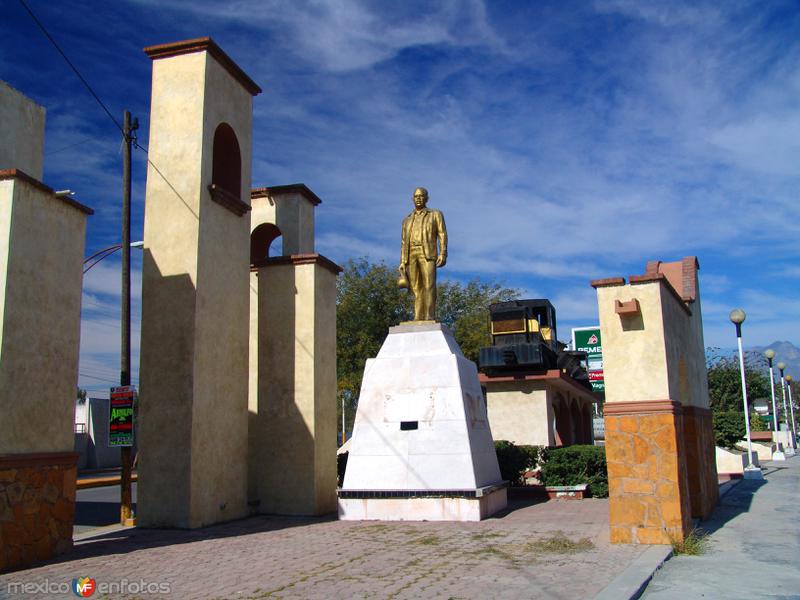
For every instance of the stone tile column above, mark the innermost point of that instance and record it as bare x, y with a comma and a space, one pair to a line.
647, 476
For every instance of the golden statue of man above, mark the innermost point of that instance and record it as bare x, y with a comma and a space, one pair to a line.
419, 255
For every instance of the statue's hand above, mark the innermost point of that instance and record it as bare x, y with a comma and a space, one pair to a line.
441, 261
402, 268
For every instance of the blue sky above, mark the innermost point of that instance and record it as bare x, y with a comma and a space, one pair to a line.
564, 141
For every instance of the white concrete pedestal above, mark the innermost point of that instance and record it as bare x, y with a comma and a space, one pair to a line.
784, 438
753, 473
421, 446
778, 454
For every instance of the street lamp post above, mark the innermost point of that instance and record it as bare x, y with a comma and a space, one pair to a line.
778, 454
343, 434
789, 447
737, 317
791, 410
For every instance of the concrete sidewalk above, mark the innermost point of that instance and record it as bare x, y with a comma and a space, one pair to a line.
101, 478
754, 544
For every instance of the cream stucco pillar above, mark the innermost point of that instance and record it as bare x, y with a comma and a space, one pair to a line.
42, 237
41, 254
22, 140
195, 303
293, 421
41, 259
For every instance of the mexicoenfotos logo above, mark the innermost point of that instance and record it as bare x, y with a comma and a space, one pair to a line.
83, 587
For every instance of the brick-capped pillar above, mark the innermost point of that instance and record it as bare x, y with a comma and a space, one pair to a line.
659, 442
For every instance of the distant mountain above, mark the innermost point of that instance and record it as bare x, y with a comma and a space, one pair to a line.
754, 357
784, 352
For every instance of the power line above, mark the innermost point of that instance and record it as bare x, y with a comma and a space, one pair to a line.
98, 378
72, 66
83, 141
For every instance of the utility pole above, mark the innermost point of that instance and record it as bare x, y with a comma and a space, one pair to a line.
126, 512
343, 433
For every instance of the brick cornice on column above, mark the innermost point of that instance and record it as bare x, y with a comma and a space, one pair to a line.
298, 259
642, 407
609, 281
208, 45
23, 176
292, 188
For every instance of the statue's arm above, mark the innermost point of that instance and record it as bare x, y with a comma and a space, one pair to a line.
442, 233
403, 242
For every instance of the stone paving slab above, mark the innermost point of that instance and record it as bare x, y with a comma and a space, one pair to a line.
521, 554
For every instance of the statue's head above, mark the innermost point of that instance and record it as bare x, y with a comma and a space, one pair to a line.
420, 198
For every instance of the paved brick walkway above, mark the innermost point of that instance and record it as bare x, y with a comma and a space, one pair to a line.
518, 555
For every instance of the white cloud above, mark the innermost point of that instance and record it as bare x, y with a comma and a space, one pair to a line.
562, 144
765, 142
345, 35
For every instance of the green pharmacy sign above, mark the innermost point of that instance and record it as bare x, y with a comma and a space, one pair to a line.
587, 339
120, 416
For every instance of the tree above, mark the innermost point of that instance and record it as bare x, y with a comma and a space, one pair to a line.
368, 302
756, 422
464, 308
729, 428
725, 383
81, 396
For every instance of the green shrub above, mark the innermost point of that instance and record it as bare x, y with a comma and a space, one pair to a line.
574, 465
533, 456
515, 460
729, 428
693, 544
757, 423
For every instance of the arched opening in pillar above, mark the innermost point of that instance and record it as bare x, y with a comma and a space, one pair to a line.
575, 422
261, 241
226, 168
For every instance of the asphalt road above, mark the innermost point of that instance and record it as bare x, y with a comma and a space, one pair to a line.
98, 507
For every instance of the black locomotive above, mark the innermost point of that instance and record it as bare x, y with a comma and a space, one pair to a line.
524, 341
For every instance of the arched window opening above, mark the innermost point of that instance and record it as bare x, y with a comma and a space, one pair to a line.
261, 240
226, 169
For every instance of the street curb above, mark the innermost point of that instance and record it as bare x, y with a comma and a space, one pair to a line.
93, 482
631, 583
100, 531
